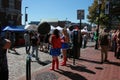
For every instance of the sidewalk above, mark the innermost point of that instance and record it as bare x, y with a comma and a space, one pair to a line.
87, 67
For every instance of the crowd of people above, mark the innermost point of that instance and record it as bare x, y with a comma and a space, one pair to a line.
56, 43
59, 42
115, 41
108, 40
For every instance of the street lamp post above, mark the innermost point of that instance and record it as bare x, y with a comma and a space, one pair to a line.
66, 23
108, 12
26, 15
99, 3
97, 34
28, 59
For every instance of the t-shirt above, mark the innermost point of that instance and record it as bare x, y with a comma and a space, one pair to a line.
95, 35
27, 38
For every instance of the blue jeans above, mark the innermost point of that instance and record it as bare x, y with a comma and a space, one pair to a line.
27, 48
35, 48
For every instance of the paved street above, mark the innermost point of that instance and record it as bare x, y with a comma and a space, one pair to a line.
88, 67
17, 63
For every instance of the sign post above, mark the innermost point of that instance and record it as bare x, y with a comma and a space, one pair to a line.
80, 14
77, 35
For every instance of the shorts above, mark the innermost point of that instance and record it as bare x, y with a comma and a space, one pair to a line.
65, 46
55, 52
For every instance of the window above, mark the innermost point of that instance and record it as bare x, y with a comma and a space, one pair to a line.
0, 3
11, 4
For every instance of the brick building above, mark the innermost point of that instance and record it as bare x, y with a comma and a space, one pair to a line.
10, 12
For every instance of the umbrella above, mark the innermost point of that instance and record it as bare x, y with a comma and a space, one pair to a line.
31, 27
44, 28
71, 28
52, 27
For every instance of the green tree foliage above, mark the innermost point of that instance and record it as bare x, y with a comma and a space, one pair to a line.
94, 15
92, 12
110, 20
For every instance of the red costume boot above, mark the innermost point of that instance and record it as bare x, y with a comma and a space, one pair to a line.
57, 64
64, 61
53, 65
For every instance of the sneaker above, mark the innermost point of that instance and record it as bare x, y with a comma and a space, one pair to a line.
37, 58
33, 55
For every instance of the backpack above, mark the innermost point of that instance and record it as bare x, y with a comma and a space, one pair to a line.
104, 39
34, 40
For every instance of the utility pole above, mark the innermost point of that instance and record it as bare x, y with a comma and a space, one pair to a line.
26, 15
97, 32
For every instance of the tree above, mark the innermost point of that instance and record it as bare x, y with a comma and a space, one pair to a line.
92, 12
109, 20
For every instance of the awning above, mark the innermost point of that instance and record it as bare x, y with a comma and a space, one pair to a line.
14, 28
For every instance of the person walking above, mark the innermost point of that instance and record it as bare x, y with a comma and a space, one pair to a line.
35, 42
77, 42
65, 46
55, 50
114, 42
96, 34
85, 38
4, 45
13, 40
104, 41
118, 44
27, 41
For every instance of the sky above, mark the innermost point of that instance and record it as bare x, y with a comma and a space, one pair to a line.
55, 9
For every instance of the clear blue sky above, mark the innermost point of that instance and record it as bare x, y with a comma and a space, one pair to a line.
60, 9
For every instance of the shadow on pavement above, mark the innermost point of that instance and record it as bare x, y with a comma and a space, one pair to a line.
113, 63
99, 68
43, 63
16, 53
97, 62
81, 69
71, 75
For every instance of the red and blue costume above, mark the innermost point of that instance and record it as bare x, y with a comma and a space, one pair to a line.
56, 46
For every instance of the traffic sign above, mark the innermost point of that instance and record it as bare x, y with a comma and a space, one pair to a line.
80, 14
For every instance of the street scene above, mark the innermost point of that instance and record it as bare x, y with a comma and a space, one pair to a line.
59, 40
87, 67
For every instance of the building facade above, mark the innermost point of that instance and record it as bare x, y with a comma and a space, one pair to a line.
54, 22
10, 12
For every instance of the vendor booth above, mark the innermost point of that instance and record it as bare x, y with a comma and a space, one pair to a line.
18, 34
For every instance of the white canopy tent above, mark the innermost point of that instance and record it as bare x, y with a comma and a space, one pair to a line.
59, 28
52, 28
31, 27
